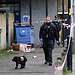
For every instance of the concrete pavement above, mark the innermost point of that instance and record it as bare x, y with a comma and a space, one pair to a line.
34, 66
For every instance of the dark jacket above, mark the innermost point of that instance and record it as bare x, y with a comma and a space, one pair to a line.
57, 24
48, 31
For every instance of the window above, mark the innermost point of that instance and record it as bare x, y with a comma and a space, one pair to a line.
59, 5
66, 5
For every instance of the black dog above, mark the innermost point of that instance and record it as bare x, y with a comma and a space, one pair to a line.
19, 60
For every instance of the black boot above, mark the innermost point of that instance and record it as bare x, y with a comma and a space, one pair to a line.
50, 64
45, 62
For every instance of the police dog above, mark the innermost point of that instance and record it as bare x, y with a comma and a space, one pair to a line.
20, 60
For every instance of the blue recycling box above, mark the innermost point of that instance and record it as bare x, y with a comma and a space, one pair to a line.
24, 34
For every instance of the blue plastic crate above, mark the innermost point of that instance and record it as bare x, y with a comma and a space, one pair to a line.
24, 34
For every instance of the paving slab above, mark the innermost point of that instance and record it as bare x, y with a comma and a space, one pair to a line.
34, 66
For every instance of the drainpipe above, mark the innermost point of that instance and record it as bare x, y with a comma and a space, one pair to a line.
30, 6
7, 30
69, 16
63, 8
63, 20
46, 7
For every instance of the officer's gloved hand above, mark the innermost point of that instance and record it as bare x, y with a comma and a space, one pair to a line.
41, 42
58, 43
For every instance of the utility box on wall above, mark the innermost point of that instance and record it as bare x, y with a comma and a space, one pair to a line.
24, 34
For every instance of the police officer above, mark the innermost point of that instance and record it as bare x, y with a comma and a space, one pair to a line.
47, 35
57, 24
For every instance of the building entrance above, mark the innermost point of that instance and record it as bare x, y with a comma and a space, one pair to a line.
9, 13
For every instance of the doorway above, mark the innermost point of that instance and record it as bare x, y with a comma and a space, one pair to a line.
6, 29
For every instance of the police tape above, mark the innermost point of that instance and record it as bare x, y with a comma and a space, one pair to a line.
62, 66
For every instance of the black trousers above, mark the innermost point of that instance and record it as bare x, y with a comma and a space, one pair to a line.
47, 47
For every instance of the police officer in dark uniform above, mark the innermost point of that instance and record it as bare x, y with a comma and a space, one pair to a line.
47, 35
57, 24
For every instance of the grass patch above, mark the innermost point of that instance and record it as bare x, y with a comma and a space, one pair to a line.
73, 51
66, 72
4, 54
73, 55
